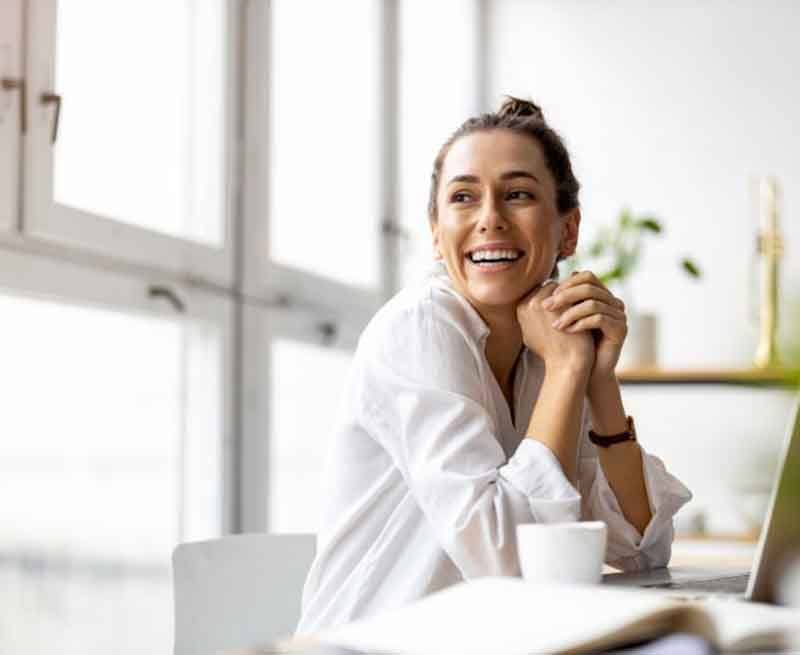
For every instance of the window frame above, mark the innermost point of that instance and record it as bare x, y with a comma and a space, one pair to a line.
268, 280
263, 324
45, 221
286, 303
10, 119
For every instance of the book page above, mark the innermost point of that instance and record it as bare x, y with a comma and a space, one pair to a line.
745, 626
511, 616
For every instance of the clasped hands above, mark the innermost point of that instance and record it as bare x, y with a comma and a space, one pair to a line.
577, 321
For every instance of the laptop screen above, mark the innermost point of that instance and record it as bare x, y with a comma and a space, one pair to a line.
780, 536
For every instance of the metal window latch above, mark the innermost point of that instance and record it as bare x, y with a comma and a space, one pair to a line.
18, 84
52, 99
158, 291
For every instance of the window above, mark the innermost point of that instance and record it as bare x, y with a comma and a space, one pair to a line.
311, 209
114, 436
323, 174
305, 397
139, 165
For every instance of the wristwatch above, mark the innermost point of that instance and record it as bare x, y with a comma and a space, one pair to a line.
604, 441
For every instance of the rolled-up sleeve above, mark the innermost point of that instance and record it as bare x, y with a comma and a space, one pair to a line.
422, 400
628, 549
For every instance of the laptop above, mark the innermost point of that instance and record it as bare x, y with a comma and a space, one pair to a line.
780, 535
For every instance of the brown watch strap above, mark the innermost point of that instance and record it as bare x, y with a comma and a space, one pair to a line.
604, 441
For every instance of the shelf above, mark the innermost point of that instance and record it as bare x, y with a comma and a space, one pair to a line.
743, 377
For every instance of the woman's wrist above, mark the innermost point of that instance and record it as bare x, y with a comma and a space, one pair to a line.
599, 380
576, 369
605, 398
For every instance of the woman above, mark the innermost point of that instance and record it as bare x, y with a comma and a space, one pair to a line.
472, 395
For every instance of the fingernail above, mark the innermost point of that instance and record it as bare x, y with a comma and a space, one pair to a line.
557, 323
547, 304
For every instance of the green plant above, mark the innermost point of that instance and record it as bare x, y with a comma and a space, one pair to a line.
615, 252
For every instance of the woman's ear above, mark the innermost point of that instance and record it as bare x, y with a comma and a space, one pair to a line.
435, 240
569, 232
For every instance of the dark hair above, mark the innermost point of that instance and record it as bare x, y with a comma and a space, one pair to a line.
521, 117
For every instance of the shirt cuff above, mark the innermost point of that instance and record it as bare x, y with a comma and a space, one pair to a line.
665, 493
537, 473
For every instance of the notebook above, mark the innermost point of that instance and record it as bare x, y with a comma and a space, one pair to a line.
510, 616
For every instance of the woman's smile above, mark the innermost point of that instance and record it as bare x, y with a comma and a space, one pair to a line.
494, 257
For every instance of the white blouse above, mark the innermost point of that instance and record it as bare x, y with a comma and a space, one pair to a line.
427, 476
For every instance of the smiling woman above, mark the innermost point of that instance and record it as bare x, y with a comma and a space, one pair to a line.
504, 203
471, 396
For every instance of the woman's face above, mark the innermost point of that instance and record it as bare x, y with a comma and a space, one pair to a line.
495, 187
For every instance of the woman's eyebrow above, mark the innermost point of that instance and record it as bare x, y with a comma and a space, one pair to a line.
470, 179
515, 174
510, 175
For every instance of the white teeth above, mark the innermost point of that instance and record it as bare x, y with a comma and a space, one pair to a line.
494, 254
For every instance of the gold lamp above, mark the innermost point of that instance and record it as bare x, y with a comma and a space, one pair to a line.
770, 249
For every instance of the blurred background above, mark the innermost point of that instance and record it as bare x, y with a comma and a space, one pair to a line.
203, 202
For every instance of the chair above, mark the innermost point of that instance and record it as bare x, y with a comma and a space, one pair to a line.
238, 591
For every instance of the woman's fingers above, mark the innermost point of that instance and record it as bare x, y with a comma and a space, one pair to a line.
564, 297
578, 278
614, 328
588, 308
584, 284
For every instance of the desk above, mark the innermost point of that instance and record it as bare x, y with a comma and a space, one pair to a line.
735, 552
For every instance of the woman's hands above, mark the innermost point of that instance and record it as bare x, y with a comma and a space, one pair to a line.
584, 304
577, 321
556, 347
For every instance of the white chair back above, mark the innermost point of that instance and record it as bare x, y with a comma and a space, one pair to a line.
240, 591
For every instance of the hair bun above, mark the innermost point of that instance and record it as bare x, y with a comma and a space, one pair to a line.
517, 107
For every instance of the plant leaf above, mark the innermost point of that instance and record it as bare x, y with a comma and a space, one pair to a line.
615, 273
596, 249
650, 224
691, 268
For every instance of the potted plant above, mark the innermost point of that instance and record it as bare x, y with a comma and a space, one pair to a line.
614, 255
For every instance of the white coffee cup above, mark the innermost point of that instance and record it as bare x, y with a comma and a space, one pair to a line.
562, 552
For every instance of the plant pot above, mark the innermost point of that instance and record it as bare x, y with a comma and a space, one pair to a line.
640, 349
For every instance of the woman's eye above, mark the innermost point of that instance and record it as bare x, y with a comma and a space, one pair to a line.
520, 195
461, 196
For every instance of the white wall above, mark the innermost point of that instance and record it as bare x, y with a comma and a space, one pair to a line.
673, 108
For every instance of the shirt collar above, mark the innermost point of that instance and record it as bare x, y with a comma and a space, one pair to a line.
476, 326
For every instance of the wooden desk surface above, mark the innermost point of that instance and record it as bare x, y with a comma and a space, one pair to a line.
735, 552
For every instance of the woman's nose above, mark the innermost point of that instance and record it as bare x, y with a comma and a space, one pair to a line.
492, 217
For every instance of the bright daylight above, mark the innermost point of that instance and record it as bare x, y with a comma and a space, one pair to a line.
413, 327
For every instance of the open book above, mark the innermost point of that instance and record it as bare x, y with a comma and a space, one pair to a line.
514, 617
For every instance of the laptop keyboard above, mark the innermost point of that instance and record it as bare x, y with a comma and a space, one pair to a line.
734, 584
